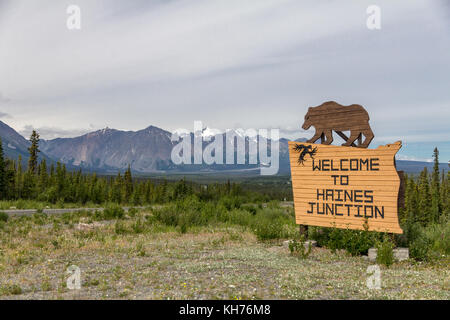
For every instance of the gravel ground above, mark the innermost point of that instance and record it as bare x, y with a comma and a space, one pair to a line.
157, 262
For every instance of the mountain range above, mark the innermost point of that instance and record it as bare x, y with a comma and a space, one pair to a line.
15, 145
147, 151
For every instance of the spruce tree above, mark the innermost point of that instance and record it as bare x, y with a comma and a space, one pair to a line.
19, 178
424, 198
116, 194
3, 180
411, 201
43, 175
128, 181
435, 188
33, 150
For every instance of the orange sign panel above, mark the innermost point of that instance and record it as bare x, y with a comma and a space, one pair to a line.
345, 187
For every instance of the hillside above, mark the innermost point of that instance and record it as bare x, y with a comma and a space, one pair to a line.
148, 151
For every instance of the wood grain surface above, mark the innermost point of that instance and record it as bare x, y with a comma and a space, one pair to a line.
345, 187
331, 116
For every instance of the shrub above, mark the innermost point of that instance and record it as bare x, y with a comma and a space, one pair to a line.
167, 215
138, 226
420, 249
132, 212
187, 213
356, 242
385, 255
120, 228
250, 208
3, 217
113, 212
272, 223
238, 217
190, 211
298, 248
267, 230
427, 243
439, 237
230, 202
321, 235
11, 290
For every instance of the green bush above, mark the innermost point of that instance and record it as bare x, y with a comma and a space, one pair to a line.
187, 213
420, 249
321, 235
430, 242
132, 212
297, 248
273, 223
385, 254
3, 217
250, 208
138, 226
230, 202
267, 230
356, 242
113, 212
167, 215
11, 290
267, 223
439, 238
238, 217
120, 228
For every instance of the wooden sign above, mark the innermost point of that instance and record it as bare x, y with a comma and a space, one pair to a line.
345, 187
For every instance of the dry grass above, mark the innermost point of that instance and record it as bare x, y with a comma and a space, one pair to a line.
157, 262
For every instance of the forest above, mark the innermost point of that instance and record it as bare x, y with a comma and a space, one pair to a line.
54, 184
424, 218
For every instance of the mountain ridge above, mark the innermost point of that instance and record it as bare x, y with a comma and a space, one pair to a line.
146, 151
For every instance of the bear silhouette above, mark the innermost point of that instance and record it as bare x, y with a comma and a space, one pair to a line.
331, 116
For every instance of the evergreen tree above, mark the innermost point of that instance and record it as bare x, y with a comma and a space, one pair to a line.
116, 194
128, 184
33, 150
28, 189
43, 175
19, 178
60, 181
410, 212
424, 198
3, 173
446, 195
435, 188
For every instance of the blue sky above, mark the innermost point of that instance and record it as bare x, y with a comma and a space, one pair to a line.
227, 63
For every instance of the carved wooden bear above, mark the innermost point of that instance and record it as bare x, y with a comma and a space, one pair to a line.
333, 116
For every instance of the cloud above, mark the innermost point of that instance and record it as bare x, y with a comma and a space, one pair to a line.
3, 99
413, 158
257, 63
49, 133
4, 115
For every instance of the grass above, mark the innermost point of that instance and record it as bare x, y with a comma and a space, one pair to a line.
39, 205
141, 257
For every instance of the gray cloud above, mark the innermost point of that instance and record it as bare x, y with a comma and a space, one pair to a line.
3, 99
257, 63
49, 133
4, 115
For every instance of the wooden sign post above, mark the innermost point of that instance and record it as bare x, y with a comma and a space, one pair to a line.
343, 186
